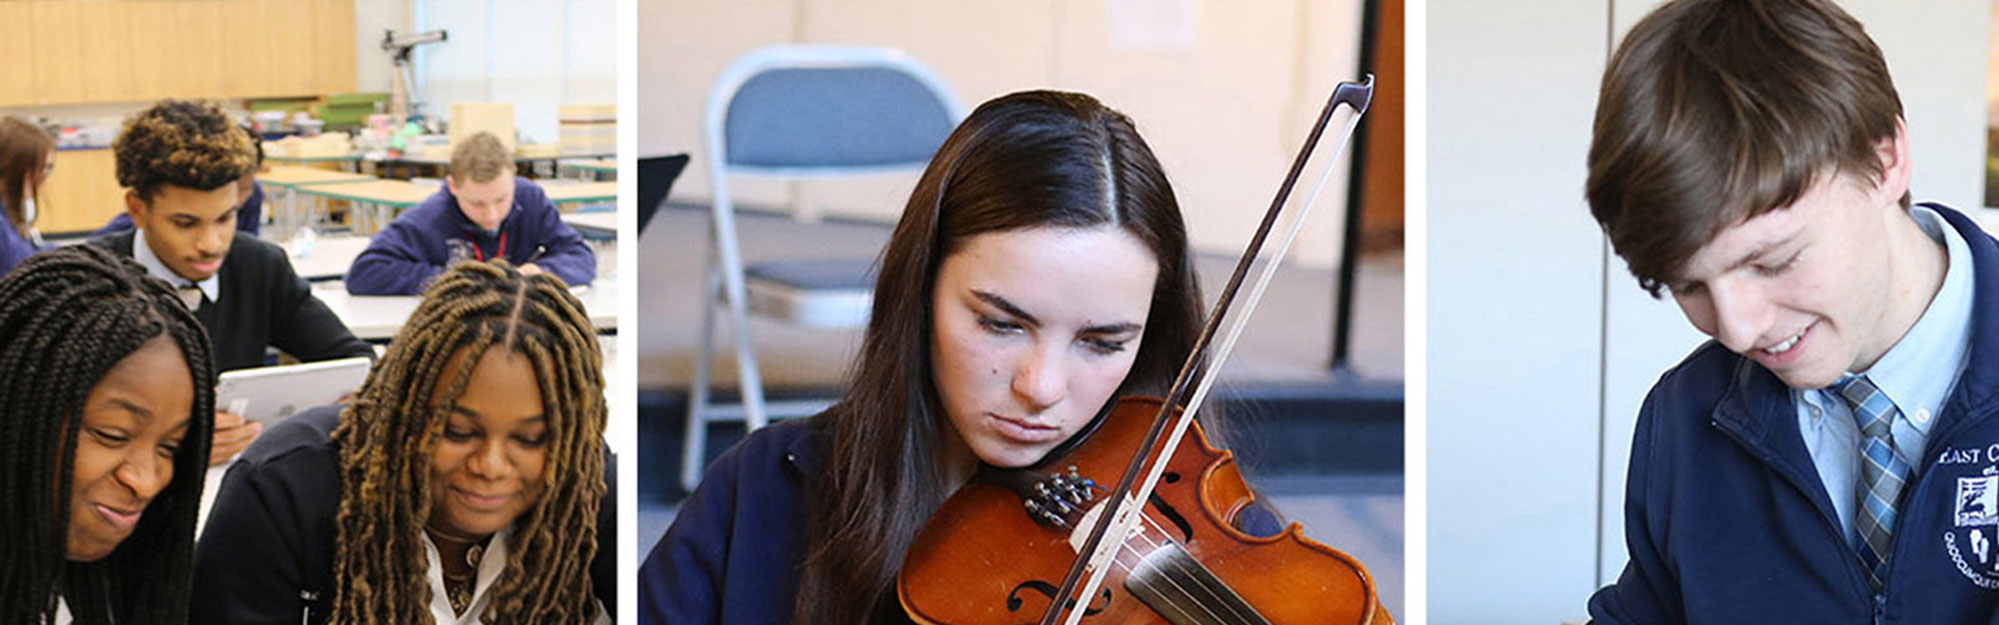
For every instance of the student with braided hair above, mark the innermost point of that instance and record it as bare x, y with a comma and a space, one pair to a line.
180, 162
466, 484
105, 407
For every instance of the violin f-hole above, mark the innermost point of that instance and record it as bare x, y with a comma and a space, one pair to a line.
1045, 589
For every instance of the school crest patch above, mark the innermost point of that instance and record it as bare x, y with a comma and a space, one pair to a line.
1975, 527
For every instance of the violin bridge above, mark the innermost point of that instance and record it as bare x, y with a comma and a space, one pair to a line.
1184, 592
1088, 523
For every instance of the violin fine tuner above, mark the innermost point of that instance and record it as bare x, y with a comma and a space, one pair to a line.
1058, 500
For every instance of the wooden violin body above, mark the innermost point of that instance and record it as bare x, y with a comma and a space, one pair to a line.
983, 559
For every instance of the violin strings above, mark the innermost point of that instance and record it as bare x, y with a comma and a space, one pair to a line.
1179, 591
1139, 534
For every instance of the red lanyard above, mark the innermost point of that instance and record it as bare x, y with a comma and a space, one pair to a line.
502, 253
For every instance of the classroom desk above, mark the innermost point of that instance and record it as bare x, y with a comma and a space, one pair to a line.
580, 193
288, 176
329, 257
348, 162
379, 317
601, 224
596, 170
285, 180
530, 166
376, 202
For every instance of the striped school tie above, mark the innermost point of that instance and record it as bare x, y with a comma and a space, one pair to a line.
1882, 472
190, 295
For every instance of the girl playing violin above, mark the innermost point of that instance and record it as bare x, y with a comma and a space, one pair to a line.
1040, 270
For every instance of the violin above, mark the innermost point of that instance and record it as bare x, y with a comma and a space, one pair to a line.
1165, 552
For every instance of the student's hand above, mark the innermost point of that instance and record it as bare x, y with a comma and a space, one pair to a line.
233, 434
531, 269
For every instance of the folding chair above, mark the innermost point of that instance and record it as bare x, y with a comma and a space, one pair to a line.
798, 112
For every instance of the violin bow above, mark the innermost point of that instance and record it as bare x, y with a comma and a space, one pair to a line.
1095, 555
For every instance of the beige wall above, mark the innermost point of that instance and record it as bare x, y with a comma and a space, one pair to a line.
1224, 110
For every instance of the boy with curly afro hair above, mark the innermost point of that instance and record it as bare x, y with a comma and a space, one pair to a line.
179, 161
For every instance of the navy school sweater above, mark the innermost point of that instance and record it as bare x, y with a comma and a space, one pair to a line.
404, 257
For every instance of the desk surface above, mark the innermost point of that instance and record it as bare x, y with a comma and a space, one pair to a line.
343, 158
397, 193
602, 165
329, 257
446, 160
289, 176
593, 222
580, 192
379, 317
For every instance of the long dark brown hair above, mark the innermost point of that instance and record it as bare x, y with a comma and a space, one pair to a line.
24, 151
388, 435
67, 316
1035, 159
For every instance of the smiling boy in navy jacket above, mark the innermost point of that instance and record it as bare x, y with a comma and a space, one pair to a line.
483, 212
1832, 456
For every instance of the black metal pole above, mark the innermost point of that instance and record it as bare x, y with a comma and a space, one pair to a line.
1350, 237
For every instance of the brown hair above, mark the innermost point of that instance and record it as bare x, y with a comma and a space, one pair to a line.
1716, 111
181, 143
24, 150
479, 158
1035, 159
388, 435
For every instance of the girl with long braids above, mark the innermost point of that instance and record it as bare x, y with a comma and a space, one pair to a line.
1039, 270
466, 484
106, 402
27, 157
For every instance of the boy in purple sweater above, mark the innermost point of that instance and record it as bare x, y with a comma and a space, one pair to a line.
483, 213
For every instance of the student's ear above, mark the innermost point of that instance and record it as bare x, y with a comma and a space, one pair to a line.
135, 207
450, 187
1895, 168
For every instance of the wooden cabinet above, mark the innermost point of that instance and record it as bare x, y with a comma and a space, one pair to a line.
82, 194
17, 62
333, 46
56, 52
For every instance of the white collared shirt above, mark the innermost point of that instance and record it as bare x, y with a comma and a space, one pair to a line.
491, 565
143, 252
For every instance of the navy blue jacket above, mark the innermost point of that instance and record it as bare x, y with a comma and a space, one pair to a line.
1726, 520
733, 551
403, 258
14, 248
249, 215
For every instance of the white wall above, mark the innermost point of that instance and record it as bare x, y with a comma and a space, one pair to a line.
1516, 269
372, 71
537, 54
1538, 364
1223, 106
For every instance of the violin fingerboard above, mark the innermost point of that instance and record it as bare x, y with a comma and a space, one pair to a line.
1181, 590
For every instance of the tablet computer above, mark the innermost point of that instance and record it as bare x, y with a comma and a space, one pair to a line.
270, 394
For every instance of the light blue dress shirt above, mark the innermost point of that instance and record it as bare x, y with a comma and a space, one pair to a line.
143, 252
1917, 374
